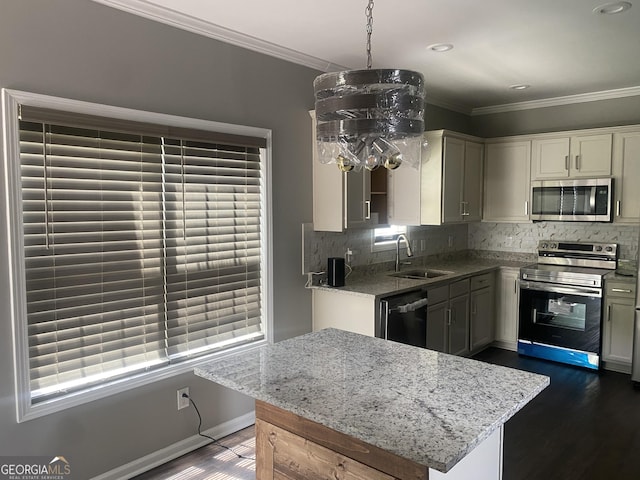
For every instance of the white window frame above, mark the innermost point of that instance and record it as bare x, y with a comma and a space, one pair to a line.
11, 99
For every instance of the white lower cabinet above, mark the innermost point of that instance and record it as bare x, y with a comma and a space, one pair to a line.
617, 330
460, 315
351, 312
482, 316
507, 301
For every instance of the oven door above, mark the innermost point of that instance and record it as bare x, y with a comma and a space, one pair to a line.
563, 316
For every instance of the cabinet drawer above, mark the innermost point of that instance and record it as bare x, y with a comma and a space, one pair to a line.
438, 294
459, 288
481, 281
620, 289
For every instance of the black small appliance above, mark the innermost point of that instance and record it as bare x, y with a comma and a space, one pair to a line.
335, 272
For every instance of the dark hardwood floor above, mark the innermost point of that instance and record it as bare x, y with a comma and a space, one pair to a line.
584, 426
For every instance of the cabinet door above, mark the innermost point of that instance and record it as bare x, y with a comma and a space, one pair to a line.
506, 182
617, 341
358, 198
404, 195
328, 192
472, 192
459, 325
550, 158
626, 172
482, 317
507, 307
453, 161
591, 155
437, 316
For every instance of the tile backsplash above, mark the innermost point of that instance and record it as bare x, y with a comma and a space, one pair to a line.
524, 237
425, 240
509, 238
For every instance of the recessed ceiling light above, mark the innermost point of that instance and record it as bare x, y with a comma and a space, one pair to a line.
520, 86
612, 8
440, 47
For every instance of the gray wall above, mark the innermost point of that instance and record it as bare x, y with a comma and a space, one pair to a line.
82, 50
601, 113
438, 118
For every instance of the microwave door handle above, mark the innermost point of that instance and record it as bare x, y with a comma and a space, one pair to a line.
592, 200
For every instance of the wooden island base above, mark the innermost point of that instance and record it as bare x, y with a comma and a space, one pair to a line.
290, 447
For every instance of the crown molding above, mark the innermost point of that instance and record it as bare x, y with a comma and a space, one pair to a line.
455, 107
557, 101
191, 24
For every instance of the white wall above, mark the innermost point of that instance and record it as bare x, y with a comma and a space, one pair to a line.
83, 50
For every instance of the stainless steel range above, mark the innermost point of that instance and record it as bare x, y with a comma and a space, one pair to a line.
561, 301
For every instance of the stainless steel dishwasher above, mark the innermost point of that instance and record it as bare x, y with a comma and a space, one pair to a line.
403, 318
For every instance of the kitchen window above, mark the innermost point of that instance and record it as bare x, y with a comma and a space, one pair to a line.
385, 238
139, 245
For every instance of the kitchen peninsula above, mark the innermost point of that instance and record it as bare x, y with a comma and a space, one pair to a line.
335, 404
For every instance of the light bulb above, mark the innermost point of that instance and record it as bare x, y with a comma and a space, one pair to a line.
344, 164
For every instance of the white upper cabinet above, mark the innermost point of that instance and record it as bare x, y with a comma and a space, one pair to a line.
507, 167
446, 188
340, 200
626, 172
571, 157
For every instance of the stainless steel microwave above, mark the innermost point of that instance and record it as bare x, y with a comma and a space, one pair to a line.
583, 200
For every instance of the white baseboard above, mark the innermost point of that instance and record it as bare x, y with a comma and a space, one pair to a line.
176, 450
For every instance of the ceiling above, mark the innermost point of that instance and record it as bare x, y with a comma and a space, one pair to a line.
559, 47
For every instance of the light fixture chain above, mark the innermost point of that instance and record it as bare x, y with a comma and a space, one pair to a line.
369, 12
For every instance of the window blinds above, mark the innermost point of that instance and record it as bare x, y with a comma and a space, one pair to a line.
141, 250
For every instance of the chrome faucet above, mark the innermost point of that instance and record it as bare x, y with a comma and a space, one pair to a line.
409, 252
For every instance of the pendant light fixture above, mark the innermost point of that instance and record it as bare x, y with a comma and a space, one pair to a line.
369, 118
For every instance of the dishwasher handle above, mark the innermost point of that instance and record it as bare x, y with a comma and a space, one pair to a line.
411, 307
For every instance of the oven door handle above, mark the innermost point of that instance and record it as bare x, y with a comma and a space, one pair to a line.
553, 288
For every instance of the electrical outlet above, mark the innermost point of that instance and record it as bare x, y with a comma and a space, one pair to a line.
183, 402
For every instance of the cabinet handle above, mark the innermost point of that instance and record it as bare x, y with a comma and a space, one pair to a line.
526, 207
577, 162
566, 162
608, 313
618, 208
534, 315
515, 286
449, 316
463, 207
621, 290
367, 209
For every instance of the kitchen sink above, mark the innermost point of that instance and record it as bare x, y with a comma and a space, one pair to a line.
420, 274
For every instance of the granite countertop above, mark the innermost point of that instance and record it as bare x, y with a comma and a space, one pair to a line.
422, 405
382, 284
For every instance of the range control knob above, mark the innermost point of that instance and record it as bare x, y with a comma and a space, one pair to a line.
553, 245
609, 249
599, 248
544, 245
